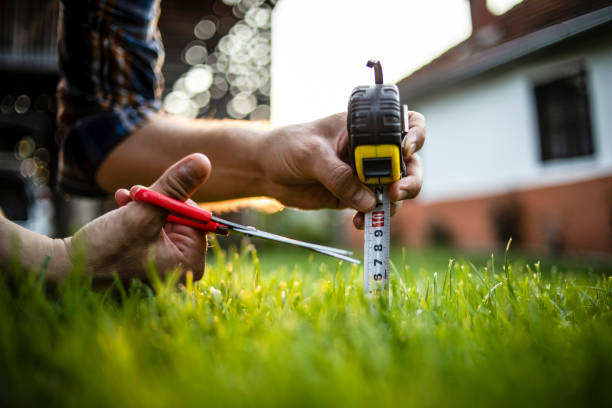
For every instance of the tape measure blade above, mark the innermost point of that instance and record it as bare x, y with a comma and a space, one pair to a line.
376, 244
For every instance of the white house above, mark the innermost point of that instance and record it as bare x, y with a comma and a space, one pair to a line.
519, 125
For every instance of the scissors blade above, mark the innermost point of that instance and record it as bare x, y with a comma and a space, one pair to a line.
337, 255
254, 232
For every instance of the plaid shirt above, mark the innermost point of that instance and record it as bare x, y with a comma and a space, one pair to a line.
110, 55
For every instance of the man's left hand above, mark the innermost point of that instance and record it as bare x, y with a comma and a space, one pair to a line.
307, 166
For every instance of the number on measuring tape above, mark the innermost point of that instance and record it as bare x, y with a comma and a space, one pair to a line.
376, 245
378, 219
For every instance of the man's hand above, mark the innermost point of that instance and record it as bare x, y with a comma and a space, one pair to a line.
124, 239
306, 166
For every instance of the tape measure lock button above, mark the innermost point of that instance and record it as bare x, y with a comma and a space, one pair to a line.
377, 167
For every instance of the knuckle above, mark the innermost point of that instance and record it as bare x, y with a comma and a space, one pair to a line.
419, 124
417, 117
422, 118
174, 186
316, 146
415, 191
308, 149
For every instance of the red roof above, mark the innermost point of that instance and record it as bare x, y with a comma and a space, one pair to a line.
527, 17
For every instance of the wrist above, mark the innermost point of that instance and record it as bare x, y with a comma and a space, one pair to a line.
255, 155
32, 249
264, 154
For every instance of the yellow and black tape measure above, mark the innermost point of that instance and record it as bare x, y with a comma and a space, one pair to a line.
377, 125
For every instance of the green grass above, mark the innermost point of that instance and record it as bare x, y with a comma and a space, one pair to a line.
293, 329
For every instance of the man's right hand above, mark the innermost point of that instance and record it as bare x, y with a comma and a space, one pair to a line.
123, 240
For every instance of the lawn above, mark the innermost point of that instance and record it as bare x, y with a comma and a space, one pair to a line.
287, 328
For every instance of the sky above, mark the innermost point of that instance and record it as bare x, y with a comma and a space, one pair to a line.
320, 47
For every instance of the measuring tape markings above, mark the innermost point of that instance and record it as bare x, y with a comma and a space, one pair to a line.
376, 244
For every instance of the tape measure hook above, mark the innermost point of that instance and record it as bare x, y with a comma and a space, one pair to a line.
378, 74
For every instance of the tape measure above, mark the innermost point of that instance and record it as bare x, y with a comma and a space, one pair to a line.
377, 124
376, 244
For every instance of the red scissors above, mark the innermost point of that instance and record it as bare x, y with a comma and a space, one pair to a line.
183, 213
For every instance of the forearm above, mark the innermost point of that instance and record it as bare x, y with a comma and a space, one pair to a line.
32, 249
233, 148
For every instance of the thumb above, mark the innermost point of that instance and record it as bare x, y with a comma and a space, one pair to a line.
179, 181
184, 177
340, 179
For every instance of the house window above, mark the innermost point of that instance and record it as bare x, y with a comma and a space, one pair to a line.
564, 117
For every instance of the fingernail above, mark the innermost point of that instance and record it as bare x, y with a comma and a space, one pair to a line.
364, 200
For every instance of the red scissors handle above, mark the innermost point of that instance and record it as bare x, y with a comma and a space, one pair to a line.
180, 212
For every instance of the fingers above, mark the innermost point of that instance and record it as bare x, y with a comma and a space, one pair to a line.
359, 217
409, 186
192, 245
415, 138
122, 197
342, 182
359, 220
